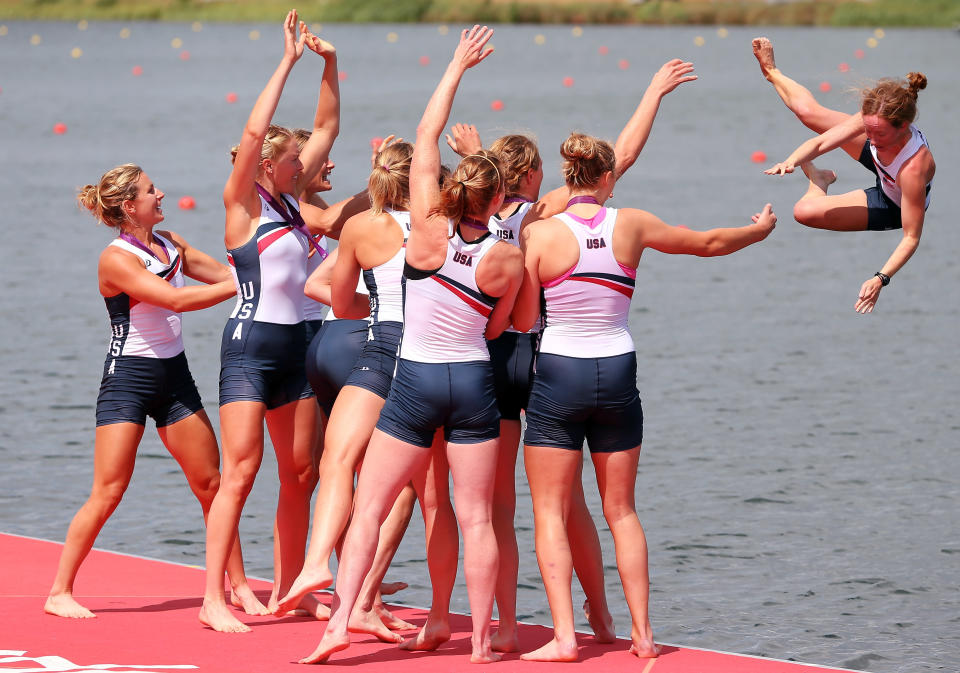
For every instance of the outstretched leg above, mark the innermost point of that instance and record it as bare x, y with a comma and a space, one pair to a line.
799, 99
115, 449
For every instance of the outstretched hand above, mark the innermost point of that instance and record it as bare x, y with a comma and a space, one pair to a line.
869, 293
471, 50
292, 45
316, 44
766, 218
465, 140
672, 74
782, 168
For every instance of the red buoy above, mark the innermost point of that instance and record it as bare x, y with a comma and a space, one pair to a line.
604, 50
184, 55
843, 67
496, 105
137, 71
825, 86
858, 53
342, 76
624, 64
187, 203
59, 128
758, 157
567, 81
375, 143
231, 97
424, 60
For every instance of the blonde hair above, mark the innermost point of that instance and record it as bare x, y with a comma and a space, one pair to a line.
585, 160
301, 136
389, 183
472, 186
105, 199
273, 146
518, 155
894, 100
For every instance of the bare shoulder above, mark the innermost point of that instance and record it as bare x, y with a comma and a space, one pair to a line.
173, 237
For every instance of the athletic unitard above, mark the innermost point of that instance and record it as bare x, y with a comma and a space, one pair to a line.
444, 377
584, 385
883, 200
511, 354
375, 367
146, 371
263, 350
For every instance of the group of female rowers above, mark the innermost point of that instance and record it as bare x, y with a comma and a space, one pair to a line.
459, 299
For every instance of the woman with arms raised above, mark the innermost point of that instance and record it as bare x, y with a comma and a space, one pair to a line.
881, 137
263, 348
584, 262
457, 290
141, 279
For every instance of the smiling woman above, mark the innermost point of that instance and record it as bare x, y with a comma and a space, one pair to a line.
882, 138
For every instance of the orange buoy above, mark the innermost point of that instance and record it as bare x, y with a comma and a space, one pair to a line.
758, 157
137, 71
187, 203
424, 60
624, 64
496, 105
231, 97
843, 67
567, 81
825, 86
59, 128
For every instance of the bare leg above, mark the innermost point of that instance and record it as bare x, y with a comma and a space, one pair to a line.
393, 464
291, 431
843, 212
551, 473
352, 421
504, 509
616, 478
588, 562
443, 546
366, 617
114, 453
193, 445
799, 99
241, 430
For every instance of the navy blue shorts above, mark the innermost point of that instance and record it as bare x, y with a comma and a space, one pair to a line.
263, 362
511, 355
596, 399
882, 213
375, 367
310, 329
331, 356
458, 396
135, 387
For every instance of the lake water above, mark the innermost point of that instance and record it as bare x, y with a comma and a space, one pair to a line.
799, 481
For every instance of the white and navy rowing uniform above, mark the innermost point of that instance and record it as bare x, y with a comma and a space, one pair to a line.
883, 200
263, 350
314, 311
377, 363
145, 372
584, 384
444, 377
512, 353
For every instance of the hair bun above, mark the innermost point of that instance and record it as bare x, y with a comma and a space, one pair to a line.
916, 81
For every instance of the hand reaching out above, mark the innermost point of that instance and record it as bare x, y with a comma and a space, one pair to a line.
465, 140
672, 74
377, 149
781, 168
316, 44
292, 45
471, 50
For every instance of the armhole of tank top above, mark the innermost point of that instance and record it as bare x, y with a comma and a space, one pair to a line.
414, 273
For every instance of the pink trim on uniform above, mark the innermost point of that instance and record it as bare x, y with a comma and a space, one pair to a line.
627, 270
559, 279
591, 223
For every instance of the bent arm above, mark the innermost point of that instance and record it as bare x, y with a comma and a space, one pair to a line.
346, 274
827, 141
122, 272
508, 276
526, 308
198, 264
326, 120
329, 221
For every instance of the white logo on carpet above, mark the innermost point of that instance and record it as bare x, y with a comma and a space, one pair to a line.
55, 663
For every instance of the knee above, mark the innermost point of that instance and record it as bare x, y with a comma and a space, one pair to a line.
616, 512
206, 487
237, 481
805, 212
106, 497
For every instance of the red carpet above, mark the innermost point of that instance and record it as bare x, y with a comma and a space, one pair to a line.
147, 621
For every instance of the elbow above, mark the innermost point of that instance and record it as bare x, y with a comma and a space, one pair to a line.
521, 322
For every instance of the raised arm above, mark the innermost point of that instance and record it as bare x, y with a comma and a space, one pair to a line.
427, 244
239, 194
634, 135
831, 139
326, 121
122, 272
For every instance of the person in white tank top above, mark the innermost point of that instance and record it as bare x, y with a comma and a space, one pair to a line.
140, 276
882, 138
469, 197
584, 261
371, 250
512, 353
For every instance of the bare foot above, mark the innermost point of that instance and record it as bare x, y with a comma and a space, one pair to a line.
645, 649
329, 644
219, 618
430, 637
362, 621
505, 639
602, 625
763, 50
64, 605
309, 579
391, 621
553, 651
312, 607
484, 655
390, 588
822, 178
243, 597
